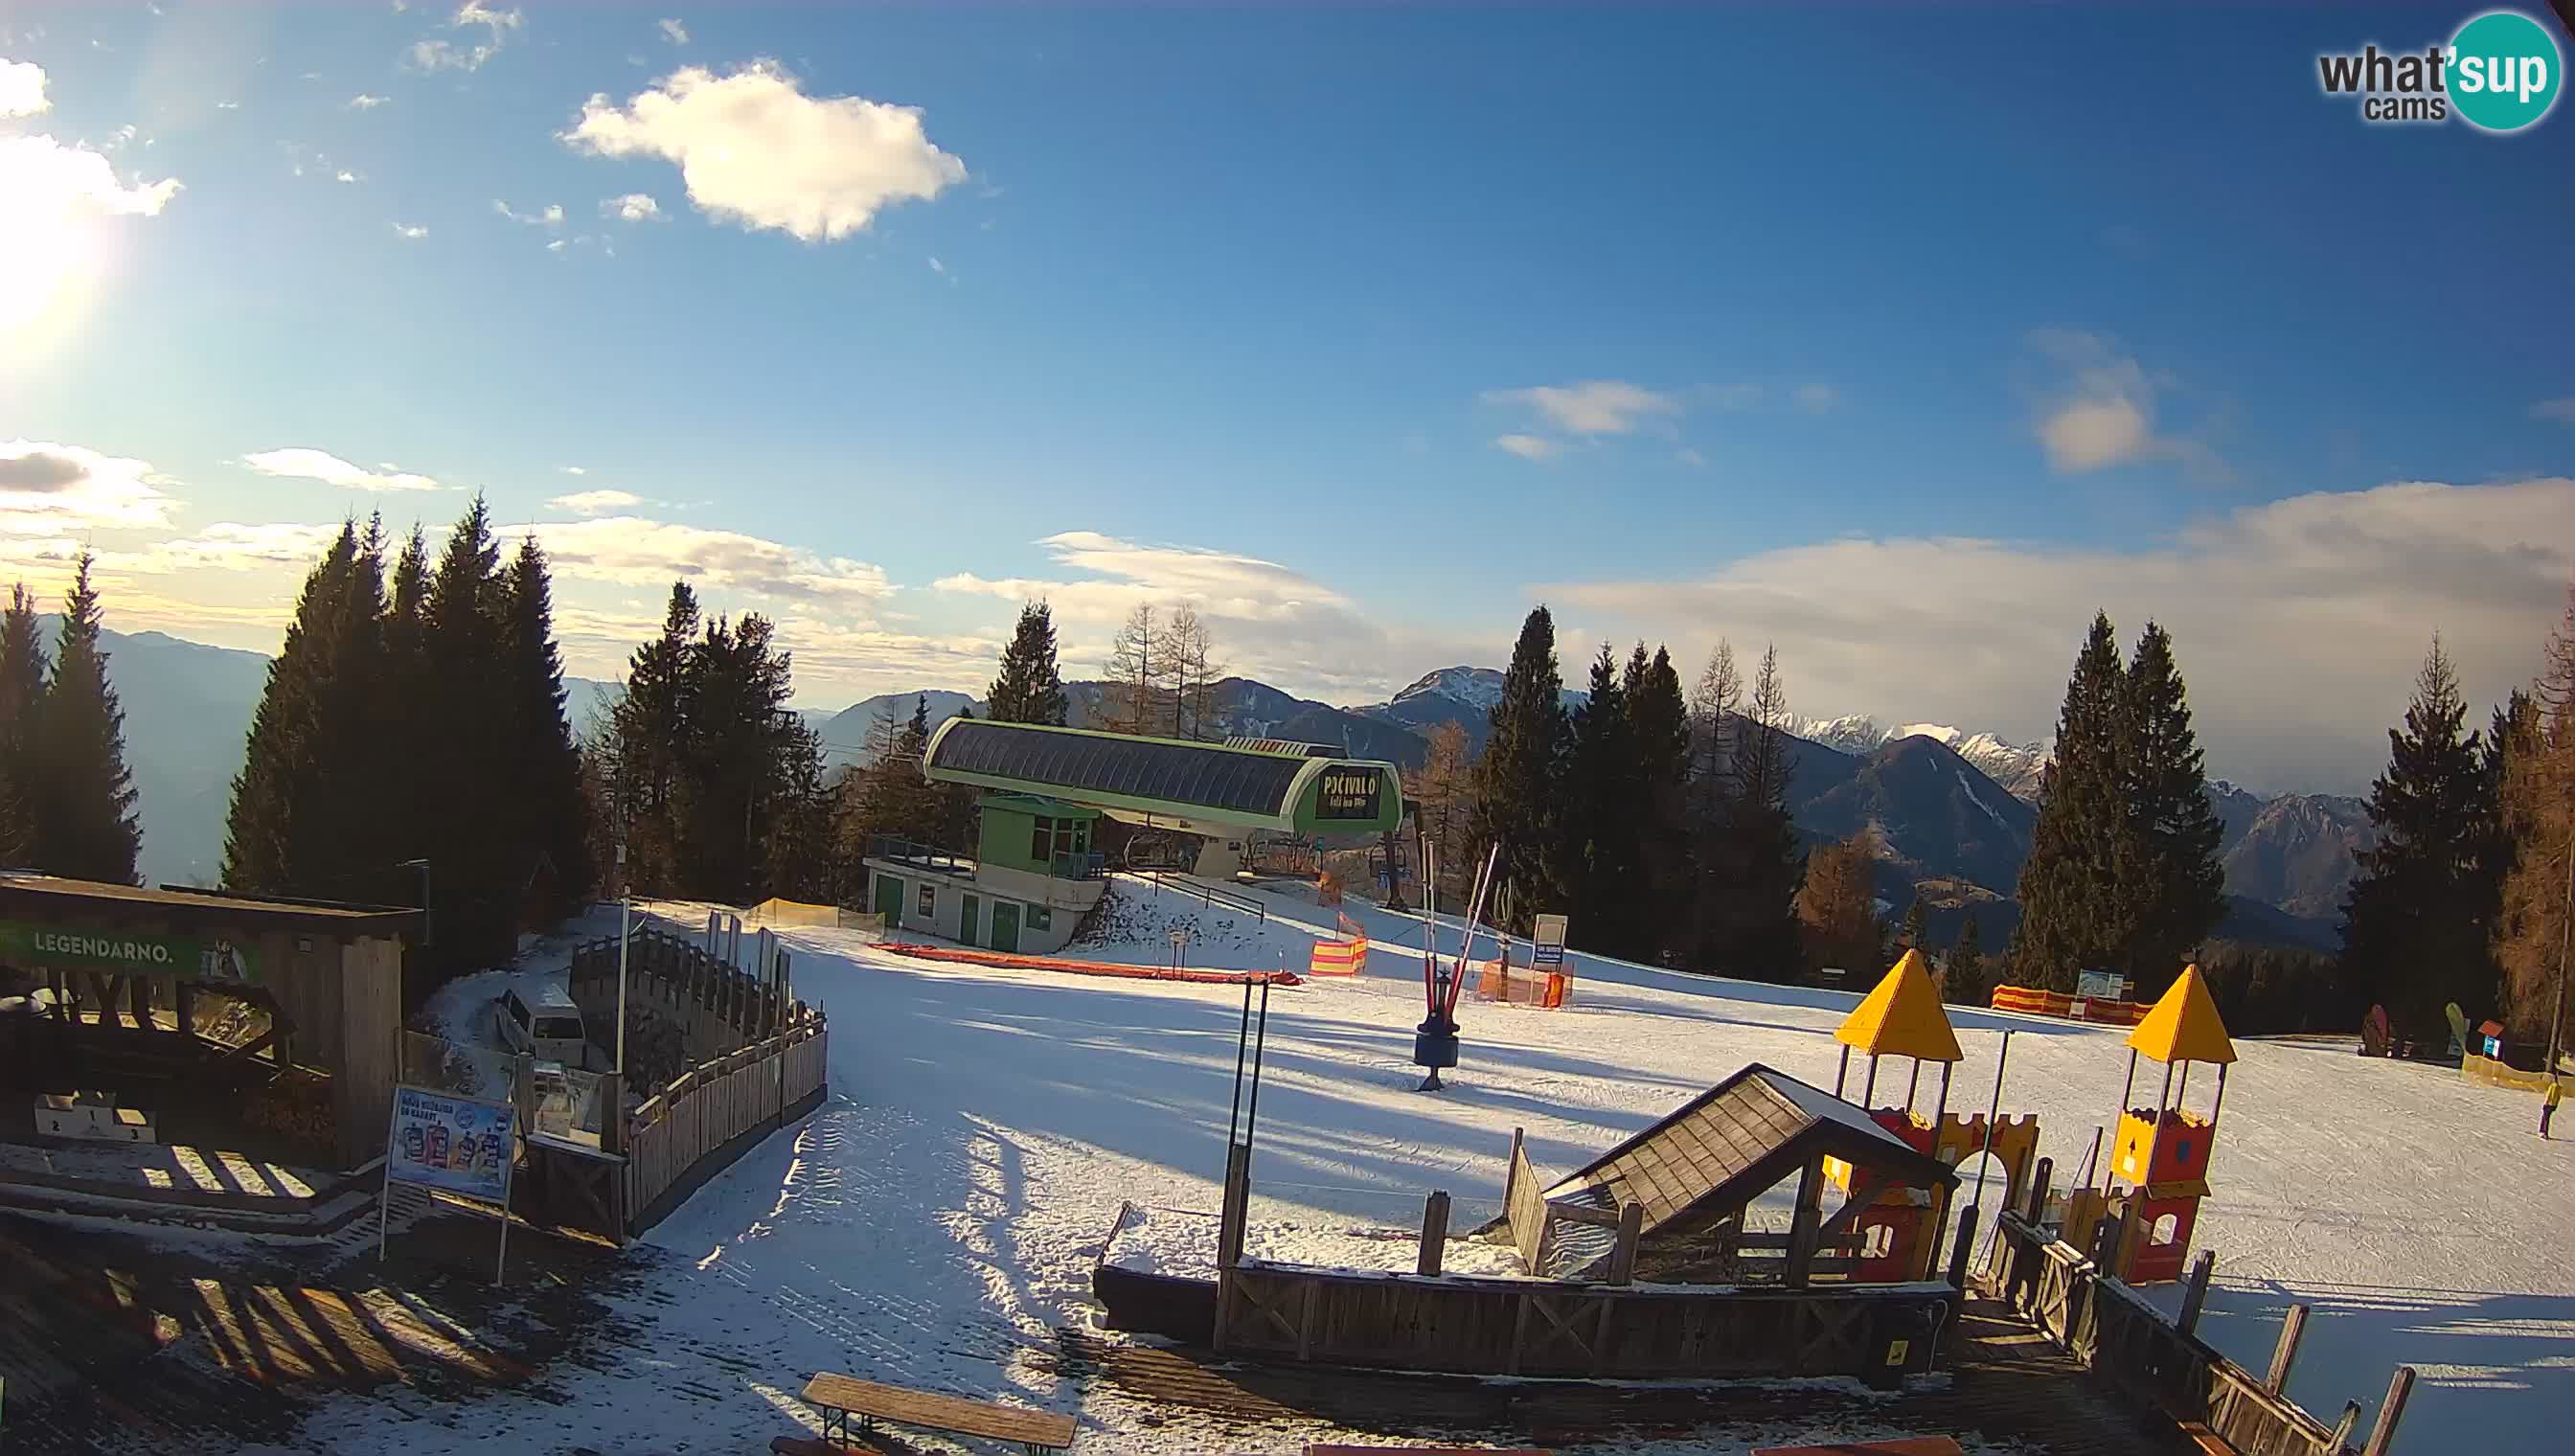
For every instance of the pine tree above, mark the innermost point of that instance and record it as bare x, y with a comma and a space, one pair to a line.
1029, 687
1965, 981
1908, 935
23, 669
647, 731
1603, 807
276, 839
2069, 917
544, 772
404, 733
1659, 726
1715, 704
479, 870
84, 817
2416, 920
2170, 883
2537, 808
1518, 780
803, 863
1754, 928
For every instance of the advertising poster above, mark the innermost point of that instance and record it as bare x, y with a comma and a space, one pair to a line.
441, 1140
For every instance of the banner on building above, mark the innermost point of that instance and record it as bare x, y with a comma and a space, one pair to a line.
32, 945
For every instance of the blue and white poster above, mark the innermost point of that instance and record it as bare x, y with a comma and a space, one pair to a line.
461, 1144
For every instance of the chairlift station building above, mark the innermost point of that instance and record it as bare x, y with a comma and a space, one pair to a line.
1036, 870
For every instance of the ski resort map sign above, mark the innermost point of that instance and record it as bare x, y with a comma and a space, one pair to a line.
78, 947
1546, 943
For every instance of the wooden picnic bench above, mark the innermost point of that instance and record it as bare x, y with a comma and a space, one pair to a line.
843, 1398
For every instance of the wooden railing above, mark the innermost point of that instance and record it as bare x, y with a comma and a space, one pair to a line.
2156, 1365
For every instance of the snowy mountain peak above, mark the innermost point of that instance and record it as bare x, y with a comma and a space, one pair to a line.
1476, 686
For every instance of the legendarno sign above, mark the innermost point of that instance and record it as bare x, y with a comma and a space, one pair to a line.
74, 947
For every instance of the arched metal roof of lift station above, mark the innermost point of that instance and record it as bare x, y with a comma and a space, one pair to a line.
1249, 787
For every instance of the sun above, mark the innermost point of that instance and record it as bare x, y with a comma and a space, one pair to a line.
44, 260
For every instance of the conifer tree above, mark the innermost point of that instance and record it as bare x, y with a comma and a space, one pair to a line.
1659, 726
23, 669
1518, 780
2069, 917
802, 863
544, 775
1837, 904
479, 870
646, 730
1716, 705
277, 835
1908, 935
1965, 981
1602, 814
1029, 687
1753, 927
85, 823
2169, 885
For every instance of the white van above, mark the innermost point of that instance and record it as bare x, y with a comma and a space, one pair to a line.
541, 1021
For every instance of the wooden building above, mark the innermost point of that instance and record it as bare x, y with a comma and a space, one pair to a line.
115, 988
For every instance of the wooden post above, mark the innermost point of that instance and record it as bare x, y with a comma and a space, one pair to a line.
1228, 1239
1434, 1233
2039, 1190
2195, 1296
2382, 1434
2285, 1353
2343, 1428
1966, 1243
1623, 1255
1804, 1228
612, 1113
522, 1093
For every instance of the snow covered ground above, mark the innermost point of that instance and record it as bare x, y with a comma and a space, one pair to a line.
938, 1217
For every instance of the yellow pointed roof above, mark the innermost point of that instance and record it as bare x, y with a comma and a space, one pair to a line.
1902, 1017
2184, 1026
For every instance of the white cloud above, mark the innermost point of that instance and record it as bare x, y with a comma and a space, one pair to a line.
556, 245
574, 469
635, 551
363, 102
1593, 407
2561, 411
2104, 413
595, 502
409, 232
754, 149
43, 182
2299, 623
45, 487
1690, 456
439, 54
673, 32
233, 546
550, 215
345, 175
299, 462
22, 88
633, 207
1270, 621
54, 198
938, 267
1816, 398
1526, 447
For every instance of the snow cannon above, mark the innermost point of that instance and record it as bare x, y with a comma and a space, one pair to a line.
1902, 1017
2159, 1169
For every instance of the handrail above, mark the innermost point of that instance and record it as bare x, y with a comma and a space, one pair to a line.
1243, 904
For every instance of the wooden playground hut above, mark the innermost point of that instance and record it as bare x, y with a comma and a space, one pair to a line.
121, 975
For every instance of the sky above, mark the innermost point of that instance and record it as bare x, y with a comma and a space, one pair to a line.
1904, 341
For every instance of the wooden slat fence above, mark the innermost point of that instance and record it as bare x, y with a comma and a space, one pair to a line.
699, 1117
2129, 1346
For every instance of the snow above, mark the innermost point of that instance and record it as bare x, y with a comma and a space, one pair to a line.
937, 1221
1978, 803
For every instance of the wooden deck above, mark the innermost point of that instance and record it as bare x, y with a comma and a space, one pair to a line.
2004, 1382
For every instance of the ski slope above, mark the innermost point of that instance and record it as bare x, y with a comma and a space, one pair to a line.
937, 1221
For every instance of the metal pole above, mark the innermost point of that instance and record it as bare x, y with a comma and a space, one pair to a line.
1241, 1044
625, 940
1993, 1110
1260, 1042
1841, 1071
1869, 1092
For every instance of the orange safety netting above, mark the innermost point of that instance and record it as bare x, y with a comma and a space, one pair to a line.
1346, 956
2075, 1008
1496, 982
1013, 962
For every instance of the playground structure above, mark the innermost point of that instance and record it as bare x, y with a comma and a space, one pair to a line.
1900, 1228
2157, 1171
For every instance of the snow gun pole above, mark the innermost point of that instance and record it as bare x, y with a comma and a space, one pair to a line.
1251, 1114
1475, 921
1993, 1111
1242, 1043
1430, 929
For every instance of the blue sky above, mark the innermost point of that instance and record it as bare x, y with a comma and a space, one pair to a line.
1900, 340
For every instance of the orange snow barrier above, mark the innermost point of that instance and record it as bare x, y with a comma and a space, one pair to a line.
1007, 960
1346, 956
2038, 1002
1495, 982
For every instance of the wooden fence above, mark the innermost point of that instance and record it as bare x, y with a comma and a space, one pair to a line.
1547, 1329
2155, 1365
701, 1121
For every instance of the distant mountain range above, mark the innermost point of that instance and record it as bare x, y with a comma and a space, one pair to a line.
1951, 810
